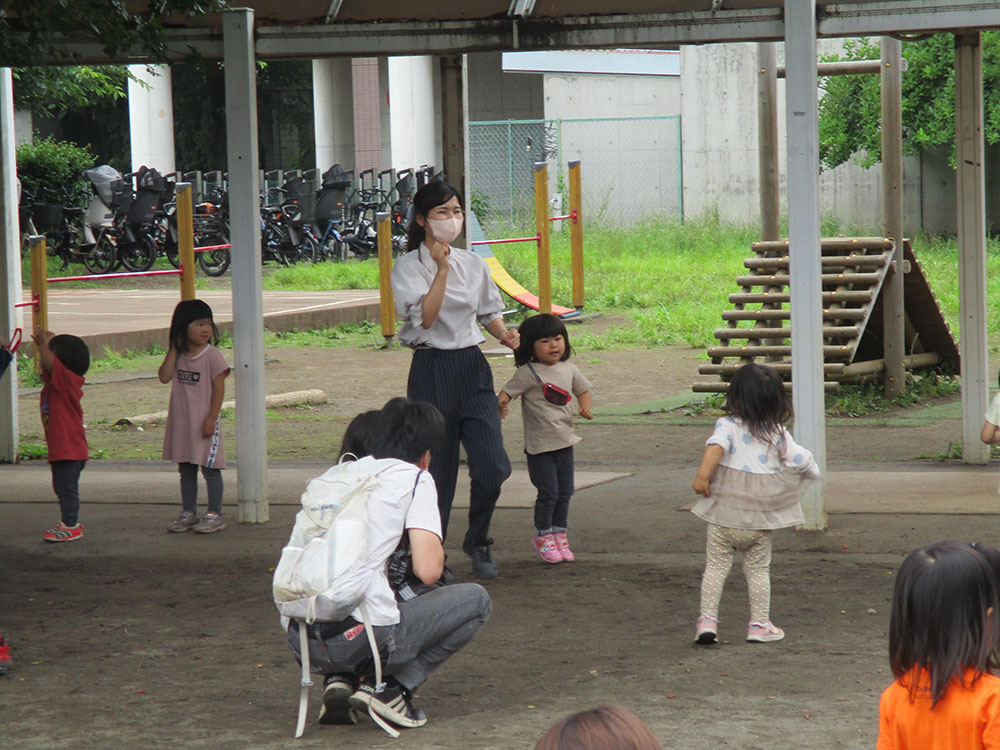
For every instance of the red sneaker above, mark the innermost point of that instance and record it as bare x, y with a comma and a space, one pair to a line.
63, 533
5, 661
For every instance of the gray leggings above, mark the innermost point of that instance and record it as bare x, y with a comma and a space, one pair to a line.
189, 487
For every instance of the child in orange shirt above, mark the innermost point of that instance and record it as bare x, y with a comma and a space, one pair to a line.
943, 638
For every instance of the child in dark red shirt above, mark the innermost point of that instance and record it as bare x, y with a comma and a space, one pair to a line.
65, 360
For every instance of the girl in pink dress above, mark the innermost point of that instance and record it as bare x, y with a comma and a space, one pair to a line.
751, 479
193, 437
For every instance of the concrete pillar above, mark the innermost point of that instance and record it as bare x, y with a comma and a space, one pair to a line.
151, 118
10, 266
802, 129
248, 312
333, 112
970, 181
414, 93
455, 122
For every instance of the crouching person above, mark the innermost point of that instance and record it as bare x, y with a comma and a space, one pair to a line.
415, 636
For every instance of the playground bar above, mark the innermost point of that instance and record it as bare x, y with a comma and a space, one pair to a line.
39, 291
185, 237
388, 306
576, 233
91, 277
536, 238
542, 225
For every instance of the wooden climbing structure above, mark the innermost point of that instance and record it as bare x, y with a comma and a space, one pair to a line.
854, 269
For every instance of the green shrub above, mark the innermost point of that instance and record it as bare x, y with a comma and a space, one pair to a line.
47, 166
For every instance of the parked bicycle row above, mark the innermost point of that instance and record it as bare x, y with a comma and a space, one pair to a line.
129, 221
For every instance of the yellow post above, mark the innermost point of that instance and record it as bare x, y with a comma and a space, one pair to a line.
185, 238
576, 233
388, 305
542, 224
39, 288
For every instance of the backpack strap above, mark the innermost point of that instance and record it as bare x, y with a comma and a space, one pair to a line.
306, 679
379, 685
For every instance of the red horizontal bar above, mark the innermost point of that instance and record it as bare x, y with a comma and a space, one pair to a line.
536, 238
99, 276
560, 218
33, 303
210, 247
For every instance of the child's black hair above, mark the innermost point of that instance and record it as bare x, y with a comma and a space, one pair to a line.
435, 193
407, 429
72, 352
359, 434
186, 313
757, 397
941, 619
542, 326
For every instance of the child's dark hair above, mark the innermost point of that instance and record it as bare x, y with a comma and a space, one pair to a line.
359, 434
72, 352
757, 397
407, 429
429, 197
186, 313
940, 616
542, 326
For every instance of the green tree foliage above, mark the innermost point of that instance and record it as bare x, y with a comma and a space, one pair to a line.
30, 29
54, 91
850, 110
49, 167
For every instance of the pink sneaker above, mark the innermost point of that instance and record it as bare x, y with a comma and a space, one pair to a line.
562, 544
707, 630
546, 547
763, 632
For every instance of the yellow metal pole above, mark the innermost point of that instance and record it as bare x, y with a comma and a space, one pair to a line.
39, 288
185, 238
388, 305
542, 224
576, 233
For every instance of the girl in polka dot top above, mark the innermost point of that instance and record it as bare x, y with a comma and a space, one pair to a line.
751, 481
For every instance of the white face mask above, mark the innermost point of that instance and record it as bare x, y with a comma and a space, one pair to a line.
445, 230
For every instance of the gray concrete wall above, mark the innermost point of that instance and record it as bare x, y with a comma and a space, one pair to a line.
719, 131
586, 95
496, 96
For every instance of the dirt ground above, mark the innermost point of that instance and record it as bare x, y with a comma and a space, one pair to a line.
138, 638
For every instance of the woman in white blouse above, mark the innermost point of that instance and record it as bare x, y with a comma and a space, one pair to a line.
441, 293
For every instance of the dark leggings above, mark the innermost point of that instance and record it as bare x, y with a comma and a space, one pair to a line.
66, 483
189, 487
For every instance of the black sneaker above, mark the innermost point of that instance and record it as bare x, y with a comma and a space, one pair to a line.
392, 703
483, 564
337, 708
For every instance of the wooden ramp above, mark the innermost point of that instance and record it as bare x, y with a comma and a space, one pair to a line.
758, 328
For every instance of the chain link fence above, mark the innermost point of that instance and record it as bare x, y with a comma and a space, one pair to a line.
630, 167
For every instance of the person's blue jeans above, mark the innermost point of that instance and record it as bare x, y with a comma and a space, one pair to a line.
431, 628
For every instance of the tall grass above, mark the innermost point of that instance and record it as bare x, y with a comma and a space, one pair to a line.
666, 281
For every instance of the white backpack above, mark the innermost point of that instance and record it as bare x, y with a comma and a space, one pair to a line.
322, 574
